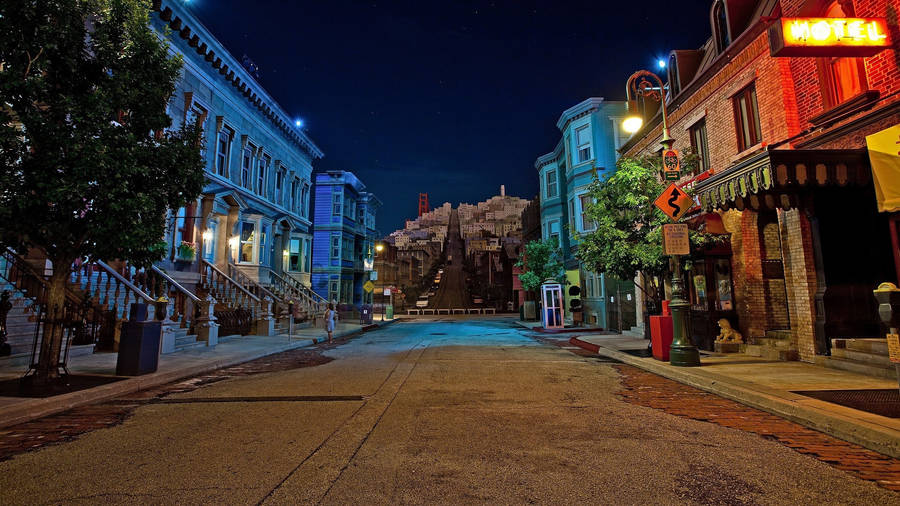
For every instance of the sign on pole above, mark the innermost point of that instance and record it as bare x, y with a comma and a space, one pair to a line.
387, 291
674, 202
369, 286
675, 239
671, 165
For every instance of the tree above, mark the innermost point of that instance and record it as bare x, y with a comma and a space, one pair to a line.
90, 164
542, 261
628, 234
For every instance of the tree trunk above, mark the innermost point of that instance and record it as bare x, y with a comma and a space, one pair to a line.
53, 332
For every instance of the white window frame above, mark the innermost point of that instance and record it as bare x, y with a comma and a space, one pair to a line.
555, 183
579, 148
223, 167
583, 221
247, 163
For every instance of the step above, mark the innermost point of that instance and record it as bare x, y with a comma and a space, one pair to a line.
861, 356
866, 345
770, 342
779, 334
865, 368
769, 353
185, 340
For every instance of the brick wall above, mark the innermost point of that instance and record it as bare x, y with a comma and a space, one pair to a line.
777, 317
800, 280
750, 302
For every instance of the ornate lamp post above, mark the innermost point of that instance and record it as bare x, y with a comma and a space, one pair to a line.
683, 352
378, 249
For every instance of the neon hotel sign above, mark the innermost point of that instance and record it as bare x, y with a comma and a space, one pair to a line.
828, 36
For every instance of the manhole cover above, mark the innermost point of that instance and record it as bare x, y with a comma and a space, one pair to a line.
884, 402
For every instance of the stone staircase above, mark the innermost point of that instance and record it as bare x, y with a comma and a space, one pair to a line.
867, 356
21, 322
775, 346
185, 341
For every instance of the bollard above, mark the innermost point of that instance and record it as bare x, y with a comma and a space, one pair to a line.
888, 297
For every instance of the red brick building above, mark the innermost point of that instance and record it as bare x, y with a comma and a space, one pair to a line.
785, 174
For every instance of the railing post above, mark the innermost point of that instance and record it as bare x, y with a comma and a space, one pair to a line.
206, 325
265, 322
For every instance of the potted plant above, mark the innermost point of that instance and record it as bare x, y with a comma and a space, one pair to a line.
186, 252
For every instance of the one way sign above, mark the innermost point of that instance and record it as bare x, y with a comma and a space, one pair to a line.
674, 202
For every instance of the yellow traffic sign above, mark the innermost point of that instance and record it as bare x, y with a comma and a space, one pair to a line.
674, 202
369, 286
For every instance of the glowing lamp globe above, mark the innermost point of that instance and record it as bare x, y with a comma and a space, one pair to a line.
632, 124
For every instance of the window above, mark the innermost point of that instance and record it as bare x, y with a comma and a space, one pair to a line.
262, 172
583, 143
552, 190
332, 291
279, 185
198, 114
304, 201
336, 247
293, 206
674, 82
224, 138
572, 214
247, 165
336, 204
746, 118
263, 258
586, 223
307, 255
209, 240
247, 239
294, 255
842, 78
553, 230
699, 144
720, 26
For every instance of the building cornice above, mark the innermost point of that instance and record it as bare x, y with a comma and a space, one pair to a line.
189, 28
549, 157
578, 110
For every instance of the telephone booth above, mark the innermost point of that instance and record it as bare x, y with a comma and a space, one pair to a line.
552, 298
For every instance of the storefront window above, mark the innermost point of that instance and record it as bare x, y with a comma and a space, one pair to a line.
697, 274
247, 239
723, 285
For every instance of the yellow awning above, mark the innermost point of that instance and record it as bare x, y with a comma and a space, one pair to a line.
884, 155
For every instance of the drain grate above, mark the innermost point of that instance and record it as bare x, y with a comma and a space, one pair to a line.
884, 402
284, 398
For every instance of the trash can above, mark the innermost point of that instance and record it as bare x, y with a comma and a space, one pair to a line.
365, 314
389, 311
139, 343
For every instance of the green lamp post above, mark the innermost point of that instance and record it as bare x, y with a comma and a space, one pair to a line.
683, 352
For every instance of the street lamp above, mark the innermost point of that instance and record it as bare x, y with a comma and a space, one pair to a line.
682, 352
378, 249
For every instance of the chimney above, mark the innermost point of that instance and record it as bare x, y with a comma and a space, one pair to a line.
502, 190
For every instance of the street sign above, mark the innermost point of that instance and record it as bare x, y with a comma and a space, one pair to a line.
674, 202
369, 286
373, 275
387, 291
671, 165
675, 239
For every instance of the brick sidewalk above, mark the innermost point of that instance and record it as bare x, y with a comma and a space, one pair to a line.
647, 389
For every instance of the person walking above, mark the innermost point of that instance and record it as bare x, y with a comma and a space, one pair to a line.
329, 321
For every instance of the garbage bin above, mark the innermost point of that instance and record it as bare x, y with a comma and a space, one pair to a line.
365, 314
139, 344
389, 311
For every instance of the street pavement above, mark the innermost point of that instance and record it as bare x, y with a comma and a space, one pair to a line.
424, 412
451, 293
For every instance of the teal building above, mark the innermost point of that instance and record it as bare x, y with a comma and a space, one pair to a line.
590, 133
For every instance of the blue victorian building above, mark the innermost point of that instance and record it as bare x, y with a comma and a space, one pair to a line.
591, 132
343, 238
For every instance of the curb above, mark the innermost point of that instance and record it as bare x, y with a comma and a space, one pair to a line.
38, 408
880, 439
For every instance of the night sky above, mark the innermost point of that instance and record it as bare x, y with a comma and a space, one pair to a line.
449, 98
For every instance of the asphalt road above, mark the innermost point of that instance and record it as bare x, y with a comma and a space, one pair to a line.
425, 412
451, 293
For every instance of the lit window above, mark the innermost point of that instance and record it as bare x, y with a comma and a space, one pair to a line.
699, 144
247, 239
294, 255
583, 143
843, 78
746, 118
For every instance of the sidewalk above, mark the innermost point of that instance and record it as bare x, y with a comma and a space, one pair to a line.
771, 386
172, 367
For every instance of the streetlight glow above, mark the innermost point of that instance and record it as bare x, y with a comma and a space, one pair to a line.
632, 124
661, 63
298, 123
379, 247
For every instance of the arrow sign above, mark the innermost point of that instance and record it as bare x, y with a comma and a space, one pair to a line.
674, 202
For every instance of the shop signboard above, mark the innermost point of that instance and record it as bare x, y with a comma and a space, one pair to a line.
836, 37
675, 239
675, 202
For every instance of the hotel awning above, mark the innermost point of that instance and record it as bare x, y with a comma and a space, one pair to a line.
779, 178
